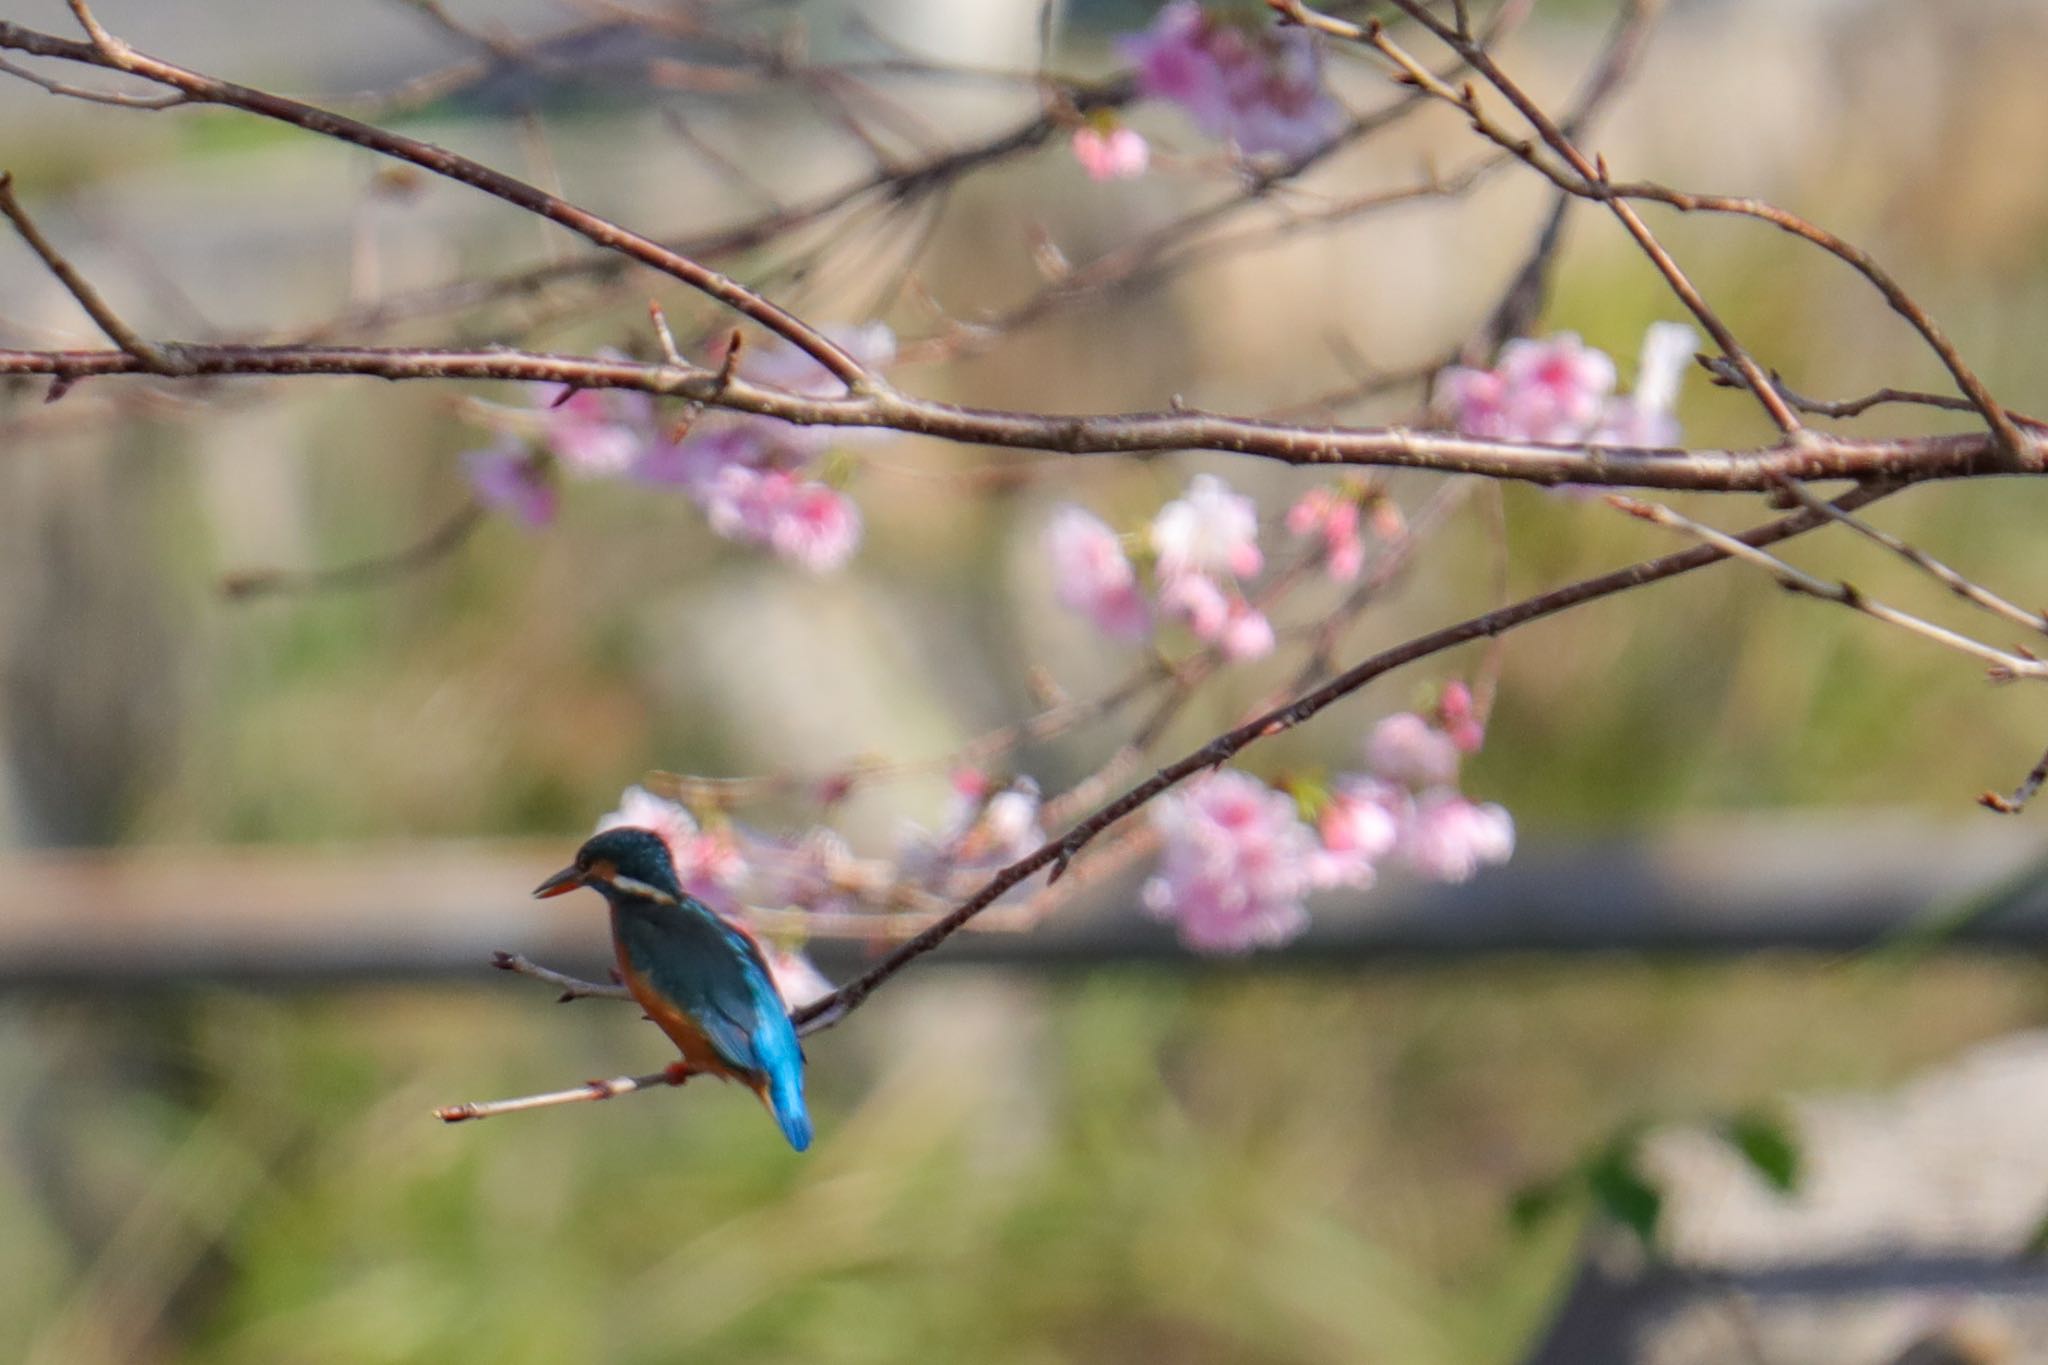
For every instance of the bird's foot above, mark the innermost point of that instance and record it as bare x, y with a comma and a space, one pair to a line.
678, 1072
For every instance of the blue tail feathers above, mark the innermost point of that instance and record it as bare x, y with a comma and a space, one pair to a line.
785, 1097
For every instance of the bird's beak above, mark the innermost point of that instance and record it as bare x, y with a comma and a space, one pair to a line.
568, 879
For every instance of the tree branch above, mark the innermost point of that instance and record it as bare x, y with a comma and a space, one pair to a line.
152, 358
1057, 853
571, 988
1818, 457
2004, 666
107, 52
1972, 592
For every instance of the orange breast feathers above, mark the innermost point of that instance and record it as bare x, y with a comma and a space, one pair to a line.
683, 1031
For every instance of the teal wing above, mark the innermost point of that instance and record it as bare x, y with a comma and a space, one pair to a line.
715, 974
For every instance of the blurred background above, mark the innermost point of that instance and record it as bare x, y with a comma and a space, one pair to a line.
257, 849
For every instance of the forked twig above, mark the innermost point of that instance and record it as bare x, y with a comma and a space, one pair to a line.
153, 358
2005, 667
1970, 591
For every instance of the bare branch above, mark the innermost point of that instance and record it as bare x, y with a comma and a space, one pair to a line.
1589, 179
2025, 792
1725, 375
1817, 458
589, 1090
88, 94
571, 988
153, 358
1974, 593
105, 51
2004, 666
1057, 853
450, 536
1591, 175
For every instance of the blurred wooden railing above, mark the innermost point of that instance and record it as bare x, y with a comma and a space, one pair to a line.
274, 914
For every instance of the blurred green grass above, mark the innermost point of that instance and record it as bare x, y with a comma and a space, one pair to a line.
1125, 1165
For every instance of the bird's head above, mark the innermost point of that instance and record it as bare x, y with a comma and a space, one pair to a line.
624, 864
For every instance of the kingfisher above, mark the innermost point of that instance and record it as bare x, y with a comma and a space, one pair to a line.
700, 978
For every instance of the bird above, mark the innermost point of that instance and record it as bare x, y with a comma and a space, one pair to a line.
699, 977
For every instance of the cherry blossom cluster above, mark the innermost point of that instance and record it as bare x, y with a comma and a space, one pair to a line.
1244, 81
1560, 391
1239, 858
1201, 548
732, 867
757, 479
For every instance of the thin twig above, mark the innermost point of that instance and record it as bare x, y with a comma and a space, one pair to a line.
2025, 792
1724, 375
87, 93
2004, 666
589, 1090
120, 333
105, 51
1590, 179
571, 988
1591, 174
665, 337
444, 540
112, 48
1057, 853
1974, 593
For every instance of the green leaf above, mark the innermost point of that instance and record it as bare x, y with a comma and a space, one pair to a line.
1768, 1146
1623, 1192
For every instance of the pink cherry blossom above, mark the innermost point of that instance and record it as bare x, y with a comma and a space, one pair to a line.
1235, 864
1449, 838
1459, 716
1556, 385
1248, 634
509, 477
747, 472
1093, 576
807, 523
1359, 825
1217, 616
1551, 391
1118, 152
1407, 749
1332, 514
1198, 600
709, 864
1258, 87
1209, 529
